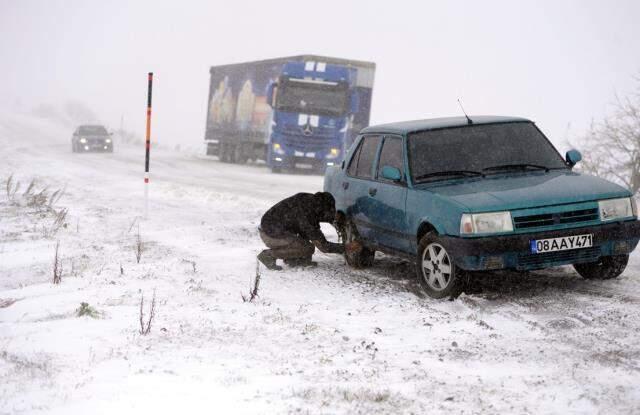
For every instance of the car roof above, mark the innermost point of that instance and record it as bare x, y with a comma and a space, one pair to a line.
405, 127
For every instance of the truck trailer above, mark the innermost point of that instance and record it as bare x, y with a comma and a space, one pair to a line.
299, 112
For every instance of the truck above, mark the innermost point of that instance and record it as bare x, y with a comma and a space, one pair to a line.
298, 112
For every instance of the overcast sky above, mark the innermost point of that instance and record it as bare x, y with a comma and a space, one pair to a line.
556, 62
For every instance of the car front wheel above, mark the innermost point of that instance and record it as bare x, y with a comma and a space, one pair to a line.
436, 270
604, 269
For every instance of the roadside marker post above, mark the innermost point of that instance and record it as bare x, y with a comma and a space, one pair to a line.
147, 148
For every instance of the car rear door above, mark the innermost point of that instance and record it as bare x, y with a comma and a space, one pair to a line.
360, 182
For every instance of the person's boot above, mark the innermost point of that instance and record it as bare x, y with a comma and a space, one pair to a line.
268, 260
300, 262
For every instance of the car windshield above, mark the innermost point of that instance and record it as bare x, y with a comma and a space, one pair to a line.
321, 98
488, 148
93, 130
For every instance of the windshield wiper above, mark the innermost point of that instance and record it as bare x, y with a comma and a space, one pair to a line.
520, 166
463, 173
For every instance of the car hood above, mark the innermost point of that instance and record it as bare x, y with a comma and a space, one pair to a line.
525, 190
95, 137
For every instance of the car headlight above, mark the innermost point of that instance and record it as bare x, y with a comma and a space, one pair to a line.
612, 209
333, 153
494, 222
108, 140
277, 148
83, 140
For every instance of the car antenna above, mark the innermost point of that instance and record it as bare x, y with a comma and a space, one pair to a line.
469, 121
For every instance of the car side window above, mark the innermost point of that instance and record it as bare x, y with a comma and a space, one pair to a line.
353, 164
367, 156
391, 155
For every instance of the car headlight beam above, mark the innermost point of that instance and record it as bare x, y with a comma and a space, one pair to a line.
483, 223
277, 149
333, 153
612, 209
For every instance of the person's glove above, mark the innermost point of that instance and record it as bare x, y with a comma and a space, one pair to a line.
353, 247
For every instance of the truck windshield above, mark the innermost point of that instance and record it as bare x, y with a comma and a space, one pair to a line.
93, 130
312, 97
486, 149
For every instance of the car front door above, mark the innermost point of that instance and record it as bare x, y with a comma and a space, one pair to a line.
388, 199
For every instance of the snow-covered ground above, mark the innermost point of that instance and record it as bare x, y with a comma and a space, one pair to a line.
325, 340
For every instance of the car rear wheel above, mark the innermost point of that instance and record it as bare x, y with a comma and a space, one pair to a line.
606, 268
238, 155
356, 254
436, 270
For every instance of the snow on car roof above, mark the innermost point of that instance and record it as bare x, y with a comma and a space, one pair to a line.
405, 127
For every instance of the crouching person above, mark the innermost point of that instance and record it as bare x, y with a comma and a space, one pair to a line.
291, 230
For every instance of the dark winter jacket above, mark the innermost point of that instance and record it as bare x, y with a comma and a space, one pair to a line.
301, 215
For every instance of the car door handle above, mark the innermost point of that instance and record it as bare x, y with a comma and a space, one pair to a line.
373, 191
345, 185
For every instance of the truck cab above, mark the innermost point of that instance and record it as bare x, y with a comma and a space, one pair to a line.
313, 105
296, 112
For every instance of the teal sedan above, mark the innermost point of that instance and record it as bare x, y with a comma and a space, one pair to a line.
456, 195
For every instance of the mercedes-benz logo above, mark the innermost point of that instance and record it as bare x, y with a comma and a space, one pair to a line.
307, 130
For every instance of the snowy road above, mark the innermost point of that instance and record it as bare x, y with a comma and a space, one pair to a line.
328, 340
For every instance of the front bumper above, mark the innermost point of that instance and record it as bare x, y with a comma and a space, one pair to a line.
95, 147
513, 251
302, 163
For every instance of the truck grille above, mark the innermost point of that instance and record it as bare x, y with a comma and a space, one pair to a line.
558, 258
550, 219
307, 144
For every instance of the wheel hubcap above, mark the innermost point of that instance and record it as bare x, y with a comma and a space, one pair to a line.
436, 267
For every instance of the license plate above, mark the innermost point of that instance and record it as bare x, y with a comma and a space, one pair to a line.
561, 244
304, 166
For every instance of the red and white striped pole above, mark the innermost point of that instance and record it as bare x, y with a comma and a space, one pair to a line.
147, 147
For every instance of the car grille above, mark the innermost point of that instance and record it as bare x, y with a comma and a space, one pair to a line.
550, 219
560, 257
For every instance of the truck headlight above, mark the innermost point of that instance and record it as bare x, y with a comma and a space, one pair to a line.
612, 209
494, 222
277, 148
108, 140
333, 153
83, 140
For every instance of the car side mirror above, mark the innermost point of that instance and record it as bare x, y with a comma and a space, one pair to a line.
272, 93
573, 157
354, 102
391, 173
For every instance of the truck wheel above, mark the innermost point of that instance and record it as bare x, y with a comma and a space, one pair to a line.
224, 152
356, 254
436, 271
276, 170
73, 147
238, 155
606, 268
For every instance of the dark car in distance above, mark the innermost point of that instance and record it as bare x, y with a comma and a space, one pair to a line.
88, 138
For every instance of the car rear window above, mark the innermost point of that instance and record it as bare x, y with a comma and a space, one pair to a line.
366, 156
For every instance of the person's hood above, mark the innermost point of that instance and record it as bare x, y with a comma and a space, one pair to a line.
524, 190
